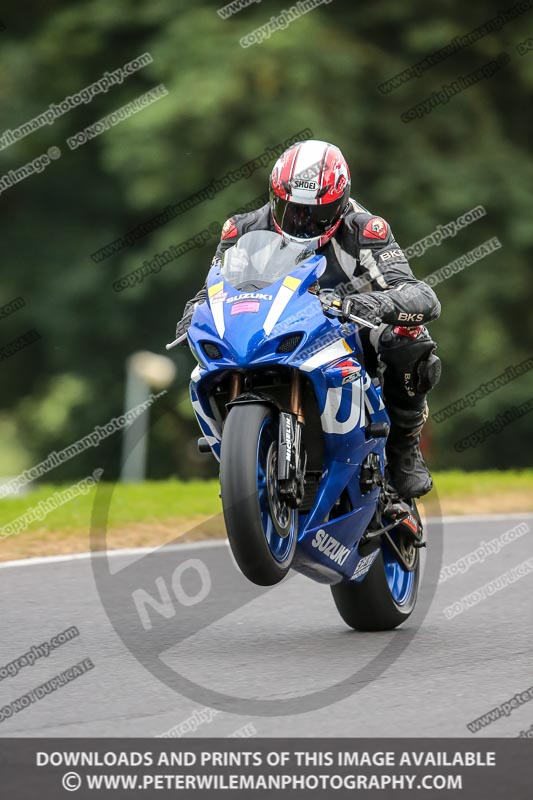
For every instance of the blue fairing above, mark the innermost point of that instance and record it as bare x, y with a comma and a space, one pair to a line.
247, 327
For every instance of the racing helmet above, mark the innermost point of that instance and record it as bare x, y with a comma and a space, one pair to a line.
309, 192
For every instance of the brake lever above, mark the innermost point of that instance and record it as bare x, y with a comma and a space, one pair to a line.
337, 306
363, 322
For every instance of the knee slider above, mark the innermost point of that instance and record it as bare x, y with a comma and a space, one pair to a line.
429, 371
411, 351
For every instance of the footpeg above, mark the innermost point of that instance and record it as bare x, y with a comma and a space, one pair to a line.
203, 446
406, 520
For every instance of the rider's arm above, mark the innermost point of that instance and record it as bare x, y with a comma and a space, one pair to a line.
384, 263
228, 238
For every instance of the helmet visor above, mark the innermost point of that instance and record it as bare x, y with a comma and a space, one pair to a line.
306, 222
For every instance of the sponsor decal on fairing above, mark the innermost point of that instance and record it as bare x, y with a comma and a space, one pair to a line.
363, 566
330, 547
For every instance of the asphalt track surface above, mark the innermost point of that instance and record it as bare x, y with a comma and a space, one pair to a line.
278, 646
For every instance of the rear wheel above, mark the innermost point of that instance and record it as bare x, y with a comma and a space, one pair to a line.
387, 595
261, 527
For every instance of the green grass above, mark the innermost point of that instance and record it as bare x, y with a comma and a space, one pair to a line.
455, 483
157, 501
147, 502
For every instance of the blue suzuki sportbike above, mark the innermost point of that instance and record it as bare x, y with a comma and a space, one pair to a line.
299, 427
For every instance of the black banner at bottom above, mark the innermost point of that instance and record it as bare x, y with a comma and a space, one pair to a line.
204, 768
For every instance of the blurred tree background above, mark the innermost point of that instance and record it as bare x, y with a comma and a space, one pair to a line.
225, 105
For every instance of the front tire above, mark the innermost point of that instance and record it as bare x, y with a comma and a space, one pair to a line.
261, 528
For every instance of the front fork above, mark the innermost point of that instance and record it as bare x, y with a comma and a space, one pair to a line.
291, 458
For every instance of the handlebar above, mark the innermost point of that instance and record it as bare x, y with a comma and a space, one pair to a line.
176, 342
333, 304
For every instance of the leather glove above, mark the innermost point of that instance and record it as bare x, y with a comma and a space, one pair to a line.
183, 326
188, 312
374, 307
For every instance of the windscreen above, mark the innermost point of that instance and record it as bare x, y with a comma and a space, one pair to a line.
260, 258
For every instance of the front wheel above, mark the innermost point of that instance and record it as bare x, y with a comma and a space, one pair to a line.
261, 527
385, 597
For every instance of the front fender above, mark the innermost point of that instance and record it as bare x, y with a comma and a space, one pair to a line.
251, 398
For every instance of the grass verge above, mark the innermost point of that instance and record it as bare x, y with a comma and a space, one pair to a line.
156, 512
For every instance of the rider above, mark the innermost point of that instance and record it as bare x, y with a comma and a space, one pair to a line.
310, 204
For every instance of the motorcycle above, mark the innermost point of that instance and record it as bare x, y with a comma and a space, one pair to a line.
299, 427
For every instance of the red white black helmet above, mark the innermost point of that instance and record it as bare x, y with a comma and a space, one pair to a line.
309, 192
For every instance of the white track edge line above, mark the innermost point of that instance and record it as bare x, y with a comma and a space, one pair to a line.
128, 551
139, 551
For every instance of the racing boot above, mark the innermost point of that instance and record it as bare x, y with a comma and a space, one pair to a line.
409, 370
407, 468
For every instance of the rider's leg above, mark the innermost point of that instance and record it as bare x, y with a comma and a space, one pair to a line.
409, 369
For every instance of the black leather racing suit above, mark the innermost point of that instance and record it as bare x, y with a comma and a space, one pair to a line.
363, 256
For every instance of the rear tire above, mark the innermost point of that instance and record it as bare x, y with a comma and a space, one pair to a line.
262, 541
369, 605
